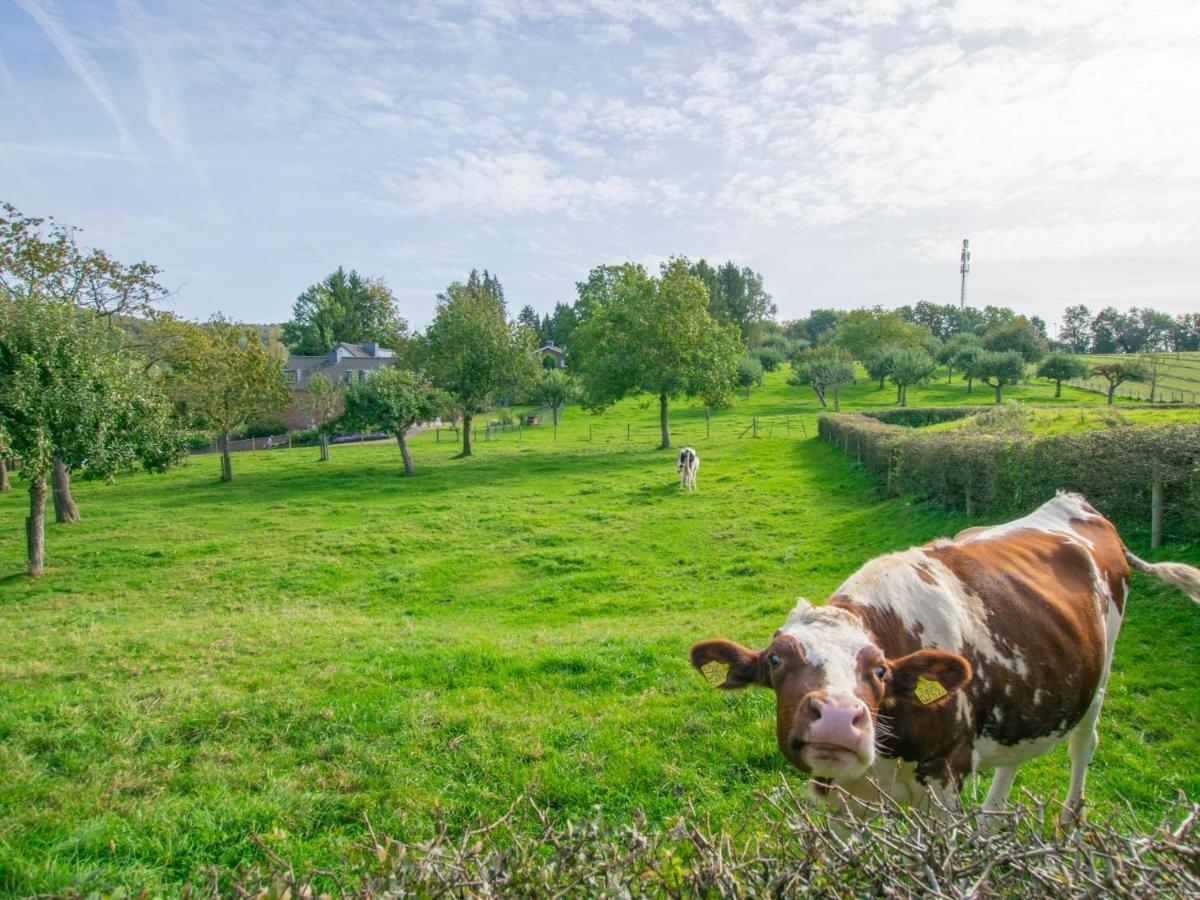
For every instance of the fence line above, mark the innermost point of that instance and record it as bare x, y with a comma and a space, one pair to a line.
1132, 390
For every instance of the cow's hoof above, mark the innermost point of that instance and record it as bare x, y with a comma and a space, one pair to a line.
1072, 816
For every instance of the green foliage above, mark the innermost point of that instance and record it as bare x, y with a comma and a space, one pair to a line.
736, 296
1060, 367
749, 372
654, 335
770, 356
996, 369
473, 352
41, 258
69, 390
1017, 335
1118, 371
823, 369
391, 400
223, 377
554, 388
344, 307
865, 331
909, 366
319, 401
878, 362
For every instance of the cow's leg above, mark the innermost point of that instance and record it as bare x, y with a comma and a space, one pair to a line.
1002, 782
1081, 748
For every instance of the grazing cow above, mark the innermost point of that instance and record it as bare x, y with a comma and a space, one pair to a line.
688, 464
977, 653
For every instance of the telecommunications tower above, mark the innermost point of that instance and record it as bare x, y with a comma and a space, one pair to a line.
964, 267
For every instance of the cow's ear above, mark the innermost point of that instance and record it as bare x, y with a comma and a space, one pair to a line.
928, 676
727, 665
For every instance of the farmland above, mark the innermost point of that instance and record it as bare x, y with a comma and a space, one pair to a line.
315, 643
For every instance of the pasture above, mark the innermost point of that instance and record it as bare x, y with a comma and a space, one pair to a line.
319, 643
1179, 377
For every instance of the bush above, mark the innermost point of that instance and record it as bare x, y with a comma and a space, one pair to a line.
264, 428
769, 357
1113, 468
792, 850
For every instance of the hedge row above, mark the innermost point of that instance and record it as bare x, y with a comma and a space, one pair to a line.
1114, 468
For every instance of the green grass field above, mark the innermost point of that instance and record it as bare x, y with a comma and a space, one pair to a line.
1066, 420
315, 644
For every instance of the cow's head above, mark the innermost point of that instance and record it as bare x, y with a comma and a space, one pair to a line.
831, 680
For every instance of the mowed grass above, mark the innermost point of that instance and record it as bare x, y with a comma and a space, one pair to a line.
317, 644
1179, 376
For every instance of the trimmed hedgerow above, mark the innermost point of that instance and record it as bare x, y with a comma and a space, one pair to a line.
1114, 468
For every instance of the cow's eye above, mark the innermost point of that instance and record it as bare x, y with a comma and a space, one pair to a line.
774, 660
881, 672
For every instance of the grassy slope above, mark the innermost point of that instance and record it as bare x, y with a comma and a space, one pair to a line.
1072, 420
316, 643
1180, 373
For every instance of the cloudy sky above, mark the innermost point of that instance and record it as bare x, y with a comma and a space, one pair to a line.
841, 147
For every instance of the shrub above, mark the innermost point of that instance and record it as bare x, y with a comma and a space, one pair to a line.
769, 357
794, 849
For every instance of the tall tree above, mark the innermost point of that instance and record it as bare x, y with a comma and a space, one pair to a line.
393, 400
1060, 367
749, 372
954, 348
736, 296
5, 486
473, 351
70, 394
655, 335
319, 403
1185, 333
1075, 334
1106, 329
222, 378
528, 317
864, 330
824, 369
344, 307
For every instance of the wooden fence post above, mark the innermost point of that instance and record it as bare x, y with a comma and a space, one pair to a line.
755, 422
707, 424
1156, 514
626, 431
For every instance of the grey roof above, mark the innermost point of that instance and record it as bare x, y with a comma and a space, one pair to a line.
342, 360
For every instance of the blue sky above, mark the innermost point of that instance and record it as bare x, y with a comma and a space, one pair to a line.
841, 148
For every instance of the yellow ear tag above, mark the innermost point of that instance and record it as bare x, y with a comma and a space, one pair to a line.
715, 672
928, 690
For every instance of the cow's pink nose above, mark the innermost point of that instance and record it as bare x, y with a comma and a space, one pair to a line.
838, 722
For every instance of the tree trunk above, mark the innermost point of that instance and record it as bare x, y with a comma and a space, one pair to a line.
466, 450
1111, 390
904, 395
35, 526
949, 374
402, 440
226, 460
881, 380
820, 391
554, 415
970, 385
1057, 389
837, 406
899, 393
324, 447
663, 422
65, 510
4, 485
999, 387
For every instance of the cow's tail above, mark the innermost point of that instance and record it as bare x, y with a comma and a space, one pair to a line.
1186, 578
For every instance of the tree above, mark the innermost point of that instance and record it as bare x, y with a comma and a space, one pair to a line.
562, 324
1145, 330
736, 296
865, 330
223, 377
878, 362
554, 389
344, 307
1060, 367
1154, 366
909, 366
71, 395
998, 369
954, 348
749, 372
392, 400
41, 258
1017, 334
528, 317
1106, 327
770, 357
823, 369
5, 486
473, 351
967, 360
1185, 332
1075, 334
1117, 372
655, 335
318, 403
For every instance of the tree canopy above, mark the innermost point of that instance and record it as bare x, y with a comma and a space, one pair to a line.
344, 307
655, 335
823, 369
1060, 367
473, 352
394, 400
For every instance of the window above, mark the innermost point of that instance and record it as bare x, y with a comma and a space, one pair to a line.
291, 377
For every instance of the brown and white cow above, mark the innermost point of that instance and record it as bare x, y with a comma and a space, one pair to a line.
977, 653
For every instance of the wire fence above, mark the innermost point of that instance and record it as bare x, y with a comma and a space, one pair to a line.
1132, 390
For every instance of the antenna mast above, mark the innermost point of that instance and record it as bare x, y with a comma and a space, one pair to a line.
963, 268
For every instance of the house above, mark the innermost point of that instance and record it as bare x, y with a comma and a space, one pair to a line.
343, 365
553, 357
